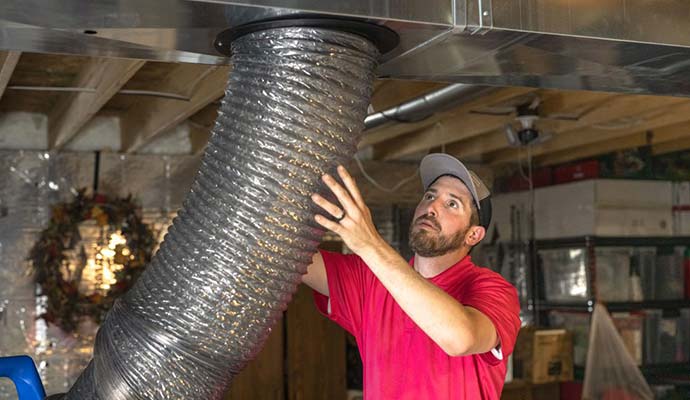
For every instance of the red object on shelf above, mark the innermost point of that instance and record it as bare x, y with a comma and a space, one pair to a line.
576, 172
540, 177
571, 390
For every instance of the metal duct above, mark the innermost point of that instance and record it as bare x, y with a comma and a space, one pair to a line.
425, 106
293, 110
630, 46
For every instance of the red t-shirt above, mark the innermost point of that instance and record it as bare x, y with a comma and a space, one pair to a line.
400, 360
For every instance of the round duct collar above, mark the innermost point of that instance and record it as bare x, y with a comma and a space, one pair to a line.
384, 38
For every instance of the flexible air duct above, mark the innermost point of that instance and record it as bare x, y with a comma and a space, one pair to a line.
294, 109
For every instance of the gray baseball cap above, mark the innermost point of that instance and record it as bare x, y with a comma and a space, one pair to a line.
436, 165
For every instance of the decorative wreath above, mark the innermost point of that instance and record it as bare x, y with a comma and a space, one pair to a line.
59, 275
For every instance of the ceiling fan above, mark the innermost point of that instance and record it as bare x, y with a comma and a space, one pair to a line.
527, 132
533, 102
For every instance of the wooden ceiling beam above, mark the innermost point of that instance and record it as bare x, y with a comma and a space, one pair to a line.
437, 135
594, 134
386, 135
200, 127
670, 147
151, 118
659, 138
107, 76
608, 109
8, 62
474, 127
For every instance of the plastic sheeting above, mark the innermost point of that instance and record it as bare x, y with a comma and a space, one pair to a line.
30, 182
611, 372
293, 110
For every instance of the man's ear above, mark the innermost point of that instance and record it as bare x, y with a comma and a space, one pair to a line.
475, 235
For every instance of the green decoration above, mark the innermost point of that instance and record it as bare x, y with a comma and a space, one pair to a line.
59, 276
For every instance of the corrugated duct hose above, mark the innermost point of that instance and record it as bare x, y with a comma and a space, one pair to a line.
293, 109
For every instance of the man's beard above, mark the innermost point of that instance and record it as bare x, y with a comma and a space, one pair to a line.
431, 244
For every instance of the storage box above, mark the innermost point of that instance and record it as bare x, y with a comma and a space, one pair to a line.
566, 274
681, 208
604, 207
681, 193
669, 276
629, 164
681, 221
643, 261
612, 273
576, 323
543, 356
540, 177
666, 338
576, 172
629, 327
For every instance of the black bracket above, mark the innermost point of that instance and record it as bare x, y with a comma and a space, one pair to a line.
383, 38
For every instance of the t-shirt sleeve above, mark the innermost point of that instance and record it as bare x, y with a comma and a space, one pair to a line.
494, 297
346, 276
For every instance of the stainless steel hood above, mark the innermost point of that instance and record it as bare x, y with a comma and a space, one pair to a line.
638, 46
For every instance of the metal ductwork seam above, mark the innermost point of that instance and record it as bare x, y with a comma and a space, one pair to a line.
230, 263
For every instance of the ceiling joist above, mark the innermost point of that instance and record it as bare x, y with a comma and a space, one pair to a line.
610, 110
677, 113
659, 138
8, 61
107, 76
479, 126
408, 138
151, 118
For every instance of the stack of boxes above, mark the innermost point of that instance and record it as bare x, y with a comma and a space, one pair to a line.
609, 208
598, 207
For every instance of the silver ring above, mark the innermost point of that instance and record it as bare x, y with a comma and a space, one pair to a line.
341, 217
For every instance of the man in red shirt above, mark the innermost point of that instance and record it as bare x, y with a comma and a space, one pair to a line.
438, 327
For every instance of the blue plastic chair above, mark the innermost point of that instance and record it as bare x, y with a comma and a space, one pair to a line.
22, 371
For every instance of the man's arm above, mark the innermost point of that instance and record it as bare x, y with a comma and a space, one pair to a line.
316, 275
457, 329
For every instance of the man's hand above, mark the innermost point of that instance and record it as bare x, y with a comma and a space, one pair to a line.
355, 225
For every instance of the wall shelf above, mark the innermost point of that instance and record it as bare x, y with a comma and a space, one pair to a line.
588, 306
604, 241
656, 374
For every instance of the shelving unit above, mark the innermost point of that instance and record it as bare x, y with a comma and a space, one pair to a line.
589, 243
626, 306
601, 241
656, 373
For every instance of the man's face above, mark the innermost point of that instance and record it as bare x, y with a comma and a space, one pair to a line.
442, 219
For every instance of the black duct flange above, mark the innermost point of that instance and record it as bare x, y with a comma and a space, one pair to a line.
384, 38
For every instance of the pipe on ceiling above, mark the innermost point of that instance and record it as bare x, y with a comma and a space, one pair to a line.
425, 106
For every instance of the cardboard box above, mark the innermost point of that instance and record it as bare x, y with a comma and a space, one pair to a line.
681, 208
629, 328
604, 207
681, 193
681, 222
601, 207
543, 356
